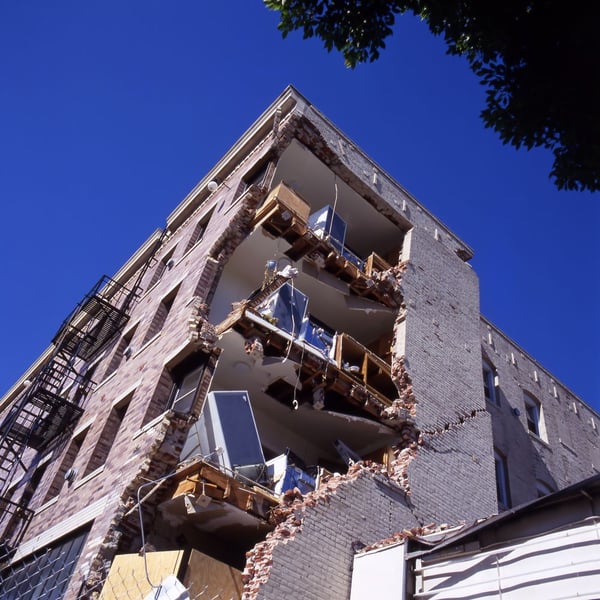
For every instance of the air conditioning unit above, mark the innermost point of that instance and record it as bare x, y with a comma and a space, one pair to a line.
286, 309
227, 434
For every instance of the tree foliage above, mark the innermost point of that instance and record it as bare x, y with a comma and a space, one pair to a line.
538, 59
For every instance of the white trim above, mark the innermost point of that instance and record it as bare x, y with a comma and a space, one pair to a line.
89, 513
130, 390
46, 505
89, 476
82, 428
149, 425
148, 343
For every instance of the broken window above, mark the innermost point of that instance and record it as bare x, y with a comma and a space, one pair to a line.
186, 388
502, 489
259, 174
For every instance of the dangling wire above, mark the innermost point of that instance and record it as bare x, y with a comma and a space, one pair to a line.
139, 501
335, 200
295, 404
291, 342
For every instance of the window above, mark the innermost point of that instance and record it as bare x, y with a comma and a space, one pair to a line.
67, 463
21, 494
46, 573
490, 383
502, 489
199, 231
533, 411
160, 399
163, 264
187, 379
160, 317
117, 358
260, 174
108, 435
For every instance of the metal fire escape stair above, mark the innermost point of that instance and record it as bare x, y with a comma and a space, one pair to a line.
50, 406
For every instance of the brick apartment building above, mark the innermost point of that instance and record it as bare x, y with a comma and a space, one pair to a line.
295, 368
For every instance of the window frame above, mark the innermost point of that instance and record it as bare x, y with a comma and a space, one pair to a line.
112, 427
502, 480
117, 358
68, 460
187, 376
161, 315
534, 415
199, 230
490, 383
161, 267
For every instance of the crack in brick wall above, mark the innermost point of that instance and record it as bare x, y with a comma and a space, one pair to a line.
460, 420
161, 458
289, 518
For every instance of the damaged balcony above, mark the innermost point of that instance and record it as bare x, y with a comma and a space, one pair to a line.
209, 499
320, 239
290, 396
291, 400
305, 328
327, 361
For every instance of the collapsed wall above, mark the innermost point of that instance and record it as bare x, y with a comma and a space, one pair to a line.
310, 552
442, 468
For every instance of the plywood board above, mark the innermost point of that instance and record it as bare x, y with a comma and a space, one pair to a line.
210, 578
127, 577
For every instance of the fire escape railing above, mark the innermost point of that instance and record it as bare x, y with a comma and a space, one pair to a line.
50, 406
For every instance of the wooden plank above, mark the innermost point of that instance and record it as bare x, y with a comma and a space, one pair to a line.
375, 264
280, 200
203, 478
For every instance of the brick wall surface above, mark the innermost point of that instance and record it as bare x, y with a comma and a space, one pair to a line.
568, 449
452, 475
143, 376
316, 562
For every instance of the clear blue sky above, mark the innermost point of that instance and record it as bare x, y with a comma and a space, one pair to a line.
110, 112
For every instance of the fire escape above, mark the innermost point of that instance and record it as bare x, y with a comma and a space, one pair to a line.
50, 405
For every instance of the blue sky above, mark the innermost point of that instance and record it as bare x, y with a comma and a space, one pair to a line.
110, 112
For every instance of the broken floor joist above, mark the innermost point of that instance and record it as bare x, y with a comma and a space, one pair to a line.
285, 215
